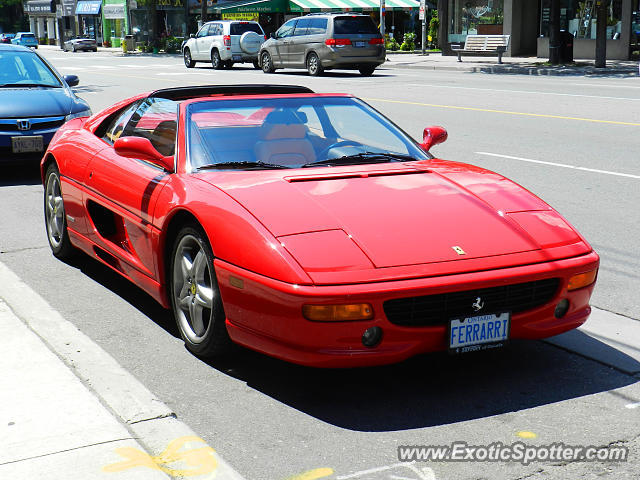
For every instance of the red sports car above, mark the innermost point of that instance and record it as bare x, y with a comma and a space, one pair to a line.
309, 227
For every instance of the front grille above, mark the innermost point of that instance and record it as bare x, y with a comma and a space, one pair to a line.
36, 124
431, 310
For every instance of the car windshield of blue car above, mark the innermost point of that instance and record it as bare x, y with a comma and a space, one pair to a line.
292, 132
25, 69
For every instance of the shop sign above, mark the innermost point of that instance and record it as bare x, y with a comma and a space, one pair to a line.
243, 16
39, 6
113, 11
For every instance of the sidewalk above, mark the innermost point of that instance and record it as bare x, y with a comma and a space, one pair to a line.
436, 61
510, 65
69, 411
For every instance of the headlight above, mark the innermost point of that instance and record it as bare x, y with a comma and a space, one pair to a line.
81, 113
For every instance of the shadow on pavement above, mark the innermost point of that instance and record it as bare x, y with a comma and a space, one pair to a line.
25, 171
126, 290
430, 390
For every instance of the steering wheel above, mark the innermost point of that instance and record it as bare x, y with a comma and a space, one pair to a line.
341, 143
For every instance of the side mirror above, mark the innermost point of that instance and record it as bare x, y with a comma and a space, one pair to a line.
141, 148
433, 136
192, 36
272, 35
72, 80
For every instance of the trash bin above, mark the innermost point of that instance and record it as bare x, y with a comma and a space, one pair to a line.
566, 47
128, 43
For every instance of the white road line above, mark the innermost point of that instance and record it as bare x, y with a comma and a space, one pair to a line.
605, 85
563, 165
171, 73
631, 406
528, 92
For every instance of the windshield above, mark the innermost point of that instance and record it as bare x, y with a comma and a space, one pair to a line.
292, 133
25, 68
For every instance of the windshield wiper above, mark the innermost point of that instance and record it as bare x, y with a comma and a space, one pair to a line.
364, 157
244, 165
29, 85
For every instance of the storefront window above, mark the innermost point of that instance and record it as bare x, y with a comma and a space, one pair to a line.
579, 18
471, 17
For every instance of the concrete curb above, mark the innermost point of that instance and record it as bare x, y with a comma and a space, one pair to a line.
152, 423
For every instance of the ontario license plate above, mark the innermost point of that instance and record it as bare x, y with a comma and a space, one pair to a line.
359, 44
27, 144
479, 332
236, 58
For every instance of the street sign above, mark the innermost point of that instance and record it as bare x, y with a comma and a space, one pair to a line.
421, 13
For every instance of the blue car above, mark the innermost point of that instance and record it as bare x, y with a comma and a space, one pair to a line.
26, 39
34, 102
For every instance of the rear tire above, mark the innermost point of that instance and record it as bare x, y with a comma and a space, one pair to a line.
267, 63
195, 296
366, 71
216, 62
55, 218
314, 67
188, 61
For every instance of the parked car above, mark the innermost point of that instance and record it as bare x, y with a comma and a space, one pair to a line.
6, 37
223, 43
320, 42
310, 227
26, 39
34, 102
83, 44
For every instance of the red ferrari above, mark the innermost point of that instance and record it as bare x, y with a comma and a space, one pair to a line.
310, 227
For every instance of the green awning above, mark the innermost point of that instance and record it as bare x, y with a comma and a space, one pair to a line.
349, 5
266, 6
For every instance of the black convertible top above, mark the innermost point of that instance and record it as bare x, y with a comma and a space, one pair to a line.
183, 93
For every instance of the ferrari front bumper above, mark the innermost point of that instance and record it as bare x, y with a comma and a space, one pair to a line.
266, 315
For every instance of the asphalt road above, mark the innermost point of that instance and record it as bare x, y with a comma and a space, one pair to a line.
574, 141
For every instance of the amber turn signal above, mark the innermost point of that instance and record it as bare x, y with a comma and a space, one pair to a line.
338, 313
582, 280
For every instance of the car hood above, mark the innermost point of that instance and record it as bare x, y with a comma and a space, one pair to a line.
34, 102
398, 216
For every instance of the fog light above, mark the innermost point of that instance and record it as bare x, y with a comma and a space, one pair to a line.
562, 308
372, 336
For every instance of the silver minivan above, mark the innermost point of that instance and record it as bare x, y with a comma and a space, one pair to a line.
323, 41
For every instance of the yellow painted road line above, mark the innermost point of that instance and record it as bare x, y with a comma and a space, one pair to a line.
504, 112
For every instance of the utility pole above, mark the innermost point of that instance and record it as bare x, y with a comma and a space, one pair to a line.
554, 33
423, 16
601, 34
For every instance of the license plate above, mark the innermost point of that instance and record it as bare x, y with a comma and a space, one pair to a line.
237, 58
359, 44
27, 144
479, 332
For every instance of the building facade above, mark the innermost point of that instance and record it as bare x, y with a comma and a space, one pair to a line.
527, 21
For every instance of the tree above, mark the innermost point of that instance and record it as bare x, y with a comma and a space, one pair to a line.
443, 34
12, 18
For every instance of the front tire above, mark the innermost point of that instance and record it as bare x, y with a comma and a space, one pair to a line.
54, 215
195, 296
216, 62
188, 61
314, 67
267, 63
